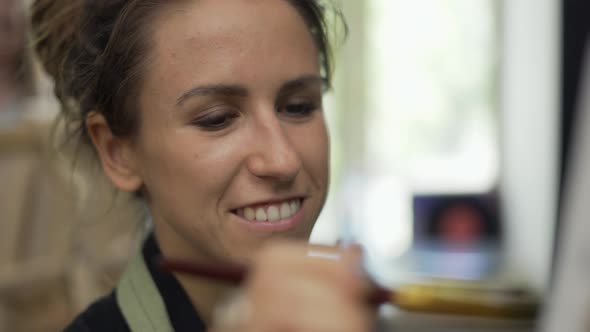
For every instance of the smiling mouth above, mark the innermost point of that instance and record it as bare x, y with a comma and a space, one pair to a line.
272, 212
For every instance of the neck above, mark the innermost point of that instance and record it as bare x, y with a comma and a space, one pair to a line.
203, 293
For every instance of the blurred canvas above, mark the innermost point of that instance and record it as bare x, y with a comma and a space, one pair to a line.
568, 307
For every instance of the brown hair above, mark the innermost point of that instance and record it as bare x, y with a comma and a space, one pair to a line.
96, 51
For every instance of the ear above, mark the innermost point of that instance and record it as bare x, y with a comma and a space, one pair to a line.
116, 154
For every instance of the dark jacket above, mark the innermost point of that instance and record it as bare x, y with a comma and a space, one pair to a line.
106, 315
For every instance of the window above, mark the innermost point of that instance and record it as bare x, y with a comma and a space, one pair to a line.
414, 111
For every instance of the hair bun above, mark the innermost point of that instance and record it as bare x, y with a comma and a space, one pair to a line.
54, 28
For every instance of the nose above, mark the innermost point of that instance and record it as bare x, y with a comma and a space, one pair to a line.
273, 156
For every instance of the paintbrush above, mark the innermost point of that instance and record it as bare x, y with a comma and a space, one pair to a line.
430, 298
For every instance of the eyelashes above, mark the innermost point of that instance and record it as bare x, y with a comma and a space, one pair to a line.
217, 120
224, 117
299, 109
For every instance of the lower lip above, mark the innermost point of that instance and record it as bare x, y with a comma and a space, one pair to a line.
274, 226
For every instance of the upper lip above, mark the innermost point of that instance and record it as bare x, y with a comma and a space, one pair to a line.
270, 201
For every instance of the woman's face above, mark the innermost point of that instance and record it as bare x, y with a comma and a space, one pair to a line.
232, 148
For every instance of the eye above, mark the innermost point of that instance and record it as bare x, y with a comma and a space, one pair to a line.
299, 109
217, 120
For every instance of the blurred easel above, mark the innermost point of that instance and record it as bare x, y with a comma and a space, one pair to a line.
36, 213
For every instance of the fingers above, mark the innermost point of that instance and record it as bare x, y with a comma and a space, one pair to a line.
333, 266
313, 306
288, 290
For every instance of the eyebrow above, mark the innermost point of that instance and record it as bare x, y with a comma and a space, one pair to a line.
212, 90
302, 82
234, 90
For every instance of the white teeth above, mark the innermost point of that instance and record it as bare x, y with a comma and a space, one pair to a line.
294, 206
260, 214
249, 213
273, 213
286, 210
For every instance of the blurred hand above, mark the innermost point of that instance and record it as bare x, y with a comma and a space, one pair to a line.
290, 291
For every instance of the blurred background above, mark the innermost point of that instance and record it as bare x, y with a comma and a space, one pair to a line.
450, 124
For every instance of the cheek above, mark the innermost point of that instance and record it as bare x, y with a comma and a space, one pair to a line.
314, 146
198, 169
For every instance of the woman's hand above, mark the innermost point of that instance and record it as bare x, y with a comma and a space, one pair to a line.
290, 291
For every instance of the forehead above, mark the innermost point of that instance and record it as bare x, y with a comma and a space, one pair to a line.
231, 41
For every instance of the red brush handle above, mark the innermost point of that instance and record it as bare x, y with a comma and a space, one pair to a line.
236, 274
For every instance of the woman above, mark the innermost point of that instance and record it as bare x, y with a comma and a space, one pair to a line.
211, 112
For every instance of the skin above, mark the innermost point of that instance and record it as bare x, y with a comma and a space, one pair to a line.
269, 143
